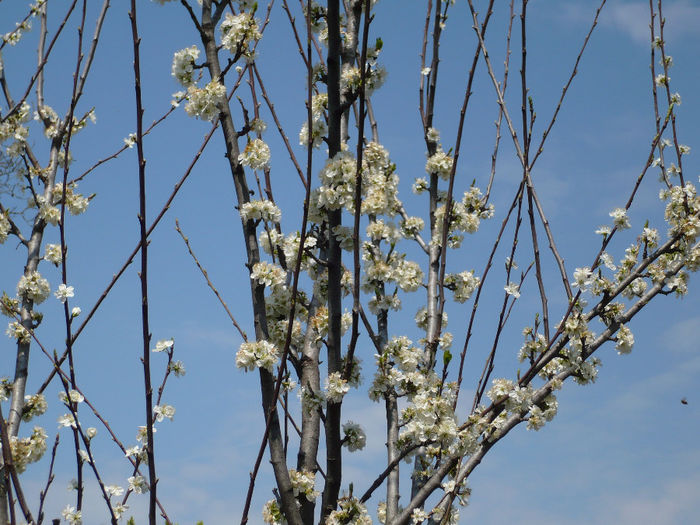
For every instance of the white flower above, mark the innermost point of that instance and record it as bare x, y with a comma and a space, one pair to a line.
119, 509
620, 219
183, 65
662, 79
418, 516
512, 289
256, 155
464, 285
336, 387
130, 140
138, 484
203, 101
440, 163
53, 254
64, 292
260, 210
142, 434
163, 344
412, 226
66, 420
34, 405
303, 483
72, 516
420, 185
582, 278
4, 228
34, 287
75, 312
625, 340
133, 451
259, 354
73, 395
163, 411
267, 274
177, 368
18, 332
272, 515
84, 456
114, 490
425, 71
355, 438
433, 135
238, 32
258, 126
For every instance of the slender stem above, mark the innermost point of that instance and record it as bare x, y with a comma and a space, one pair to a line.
145, 334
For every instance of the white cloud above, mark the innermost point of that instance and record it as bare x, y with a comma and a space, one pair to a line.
682, 336
673, 502
631, 18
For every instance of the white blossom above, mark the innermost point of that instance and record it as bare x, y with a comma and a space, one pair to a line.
183, 65
64, 292
203, 102
440, 163
34, 287
258, 354
625, 340
355, 438
512, 289
261, 210
620, 219
72, 516
164, 345
138, 484
163, 411
256, 155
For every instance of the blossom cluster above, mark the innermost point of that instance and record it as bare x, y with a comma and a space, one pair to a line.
183, 65
258, 354
256, 155
403, 370
351, 79
349, 512
4, 227
49, 209
440, 163
261, 210
336, 387
239, 33
303, 482
12, 128
268, 274
518, 400
203, 102
34, 405
355, 437
462, 284
466, 216
319, 129
28, 450
272, 514
34, 287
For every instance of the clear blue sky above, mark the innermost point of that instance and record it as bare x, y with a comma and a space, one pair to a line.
623, 450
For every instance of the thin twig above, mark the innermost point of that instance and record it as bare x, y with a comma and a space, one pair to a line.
209, 283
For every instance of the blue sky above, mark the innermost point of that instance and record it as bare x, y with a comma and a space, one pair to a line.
623, 450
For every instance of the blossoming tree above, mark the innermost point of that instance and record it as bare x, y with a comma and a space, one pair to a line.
325, 289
